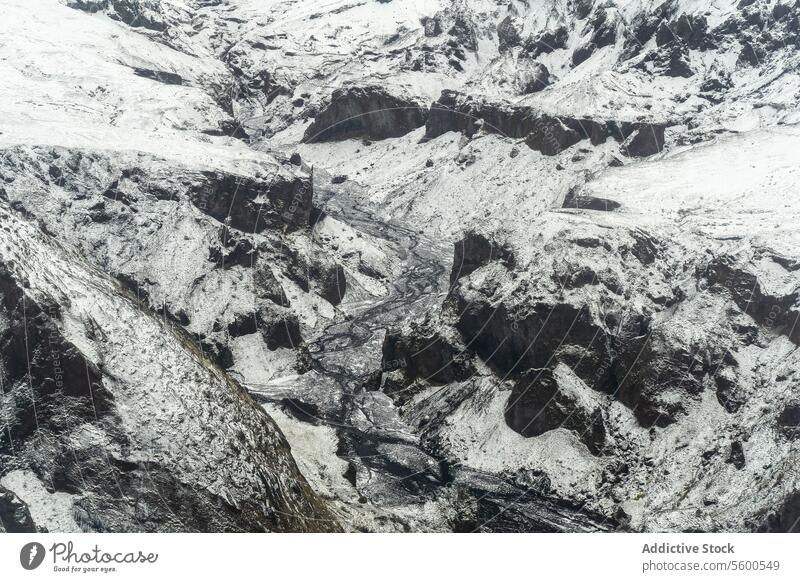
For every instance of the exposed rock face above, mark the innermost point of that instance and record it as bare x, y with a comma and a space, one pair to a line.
547, 333
645, 141
370, 112
582, 53
317, 272
789, 420
779, 312
656, 375
547, 41
632, 364
421, 353
15, 517
542, 401
534, 79
117, 438
253, 205
547, 134
231, 222
489, 504
507, 34
474, 251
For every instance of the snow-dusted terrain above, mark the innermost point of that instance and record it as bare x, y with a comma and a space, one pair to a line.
386, 265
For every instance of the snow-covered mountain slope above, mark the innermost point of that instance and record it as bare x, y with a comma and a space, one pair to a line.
490, 265
662, 333
115, 422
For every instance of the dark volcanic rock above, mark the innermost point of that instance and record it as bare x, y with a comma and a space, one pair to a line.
785, 518
370, 112
240, 201
47, 380
671, 60
582, 53
490, 504
658, 374
474, 251
533, 79
14, 514
550, 135
778, 313
507, 34
541, 402
464, 31
135, 13
422, 353
233, 250
546, 42
752, 54
789, 420
604, 28
736, 455
645, 141
581, 8
316, 272
279, 328
169, 443
538, 337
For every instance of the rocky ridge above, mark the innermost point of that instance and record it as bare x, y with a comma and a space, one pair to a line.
608, 344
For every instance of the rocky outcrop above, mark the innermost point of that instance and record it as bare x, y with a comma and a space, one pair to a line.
253, 204
532, 77
545, 133
775, 312
423, 353
658, 374
537, 336
546, 42
657, 370
487, 503
645, 141
476, 250
543, 400
15, 517
131, 439
134, 214
507, 34
789, 420
314, 271
42, 371
369, 112
148, 14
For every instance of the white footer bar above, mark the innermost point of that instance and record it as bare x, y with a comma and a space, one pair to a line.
386, 558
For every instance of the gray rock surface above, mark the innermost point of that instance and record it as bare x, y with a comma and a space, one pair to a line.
390, 266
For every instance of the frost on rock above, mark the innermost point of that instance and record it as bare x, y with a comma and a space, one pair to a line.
490, 267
